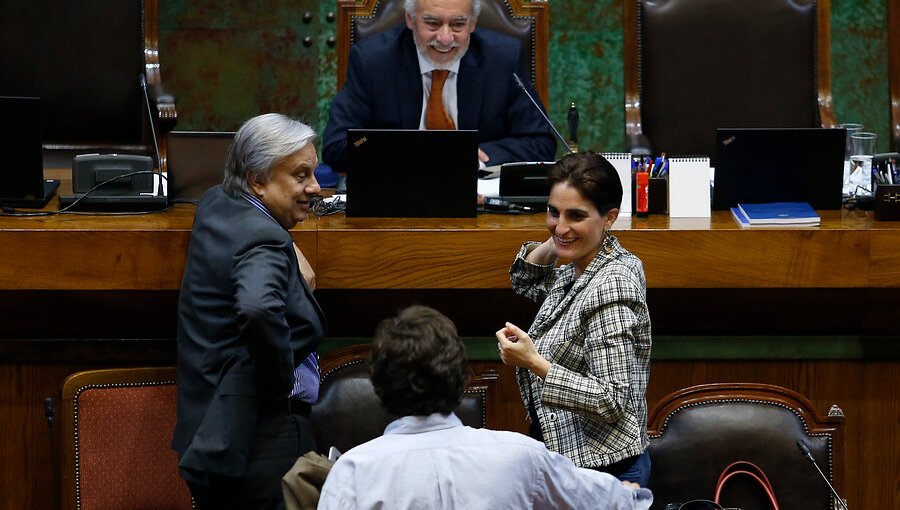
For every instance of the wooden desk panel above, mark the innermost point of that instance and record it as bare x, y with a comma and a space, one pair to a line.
104, 252
359, 253
751, 259
885, 258
147, 252
421, 254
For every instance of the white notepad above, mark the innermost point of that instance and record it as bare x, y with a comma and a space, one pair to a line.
622, 162
689, 192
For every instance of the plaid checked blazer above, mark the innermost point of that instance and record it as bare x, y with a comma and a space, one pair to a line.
593, 405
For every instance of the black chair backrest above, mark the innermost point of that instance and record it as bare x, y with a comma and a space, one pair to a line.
349, 412
697, 432
705, 64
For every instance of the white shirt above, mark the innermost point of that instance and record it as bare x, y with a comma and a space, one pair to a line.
436, 462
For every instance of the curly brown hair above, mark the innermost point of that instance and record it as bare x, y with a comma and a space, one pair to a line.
418, 363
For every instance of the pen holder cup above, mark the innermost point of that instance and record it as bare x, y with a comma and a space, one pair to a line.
887, 202
659, 195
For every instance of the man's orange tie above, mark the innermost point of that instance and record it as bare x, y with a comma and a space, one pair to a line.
435, 115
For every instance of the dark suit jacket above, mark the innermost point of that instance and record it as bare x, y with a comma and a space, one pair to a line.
245, 319
384, 91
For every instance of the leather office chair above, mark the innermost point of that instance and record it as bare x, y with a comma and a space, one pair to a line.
349, 412
83, 60
527, 21
117, 425
696, 432
692, 66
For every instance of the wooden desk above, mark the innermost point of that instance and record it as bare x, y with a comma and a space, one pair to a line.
700, 272
147, 252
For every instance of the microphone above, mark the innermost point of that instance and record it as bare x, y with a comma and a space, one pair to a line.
808, 454
541, 111
143, 80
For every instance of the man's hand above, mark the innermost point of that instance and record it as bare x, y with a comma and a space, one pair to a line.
309, 275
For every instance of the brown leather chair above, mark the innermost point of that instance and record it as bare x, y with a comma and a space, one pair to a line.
894, 57
696, 432
83, 59
692, 66
349, 412
117, 425
527, 21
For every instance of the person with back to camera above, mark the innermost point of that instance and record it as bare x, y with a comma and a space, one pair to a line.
389, 83
583, 365
248, 324
427, 459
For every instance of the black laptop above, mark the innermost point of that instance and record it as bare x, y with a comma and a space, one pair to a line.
22, 182
759, 165
195, 162
412, 173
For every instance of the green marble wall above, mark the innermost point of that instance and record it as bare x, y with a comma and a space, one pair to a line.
227, 60
859, 65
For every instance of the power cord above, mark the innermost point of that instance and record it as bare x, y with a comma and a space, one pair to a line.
11, 211
321, 207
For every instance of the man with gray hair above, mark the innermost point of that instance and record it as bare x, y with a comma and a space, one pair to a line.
248, 324
438, 72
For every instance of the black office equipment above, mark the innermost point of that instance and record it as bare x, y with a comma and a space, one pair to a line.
195, 163
525, 183
412, 173
89, 170
758, 165
22, 182
113, 183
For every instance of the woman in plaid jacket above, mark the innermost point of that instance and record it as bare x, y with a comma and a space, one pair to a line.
583, 365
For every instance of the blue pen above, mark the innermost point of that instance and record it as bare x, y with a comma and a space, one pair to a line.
876, 173
664, 168
892, 168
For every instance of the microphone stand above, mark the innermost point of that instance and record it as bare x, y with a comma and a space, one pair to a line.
541, 111
143, 79
808, 454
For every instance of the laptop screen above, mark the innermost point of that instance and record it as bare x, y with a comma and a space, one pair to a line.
195, 162
759, 165
412, 173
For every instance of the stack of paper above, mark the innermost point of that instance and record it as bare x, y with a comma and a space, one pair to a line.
781, 214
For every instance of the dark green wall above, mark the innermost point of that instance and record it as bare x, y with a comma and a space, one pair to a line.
226, 60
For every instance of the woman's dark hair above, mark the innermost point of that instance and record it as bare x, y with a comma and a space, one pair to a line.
592, 175
418, 363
